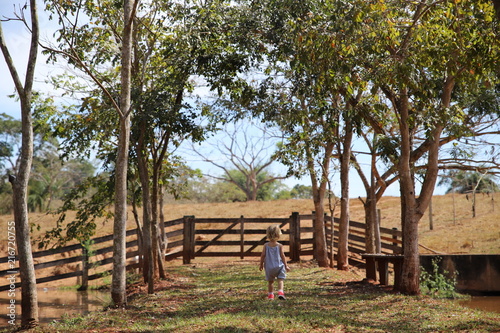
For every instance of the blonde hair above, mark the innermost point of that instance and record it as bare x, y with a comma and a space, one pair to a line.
273, 232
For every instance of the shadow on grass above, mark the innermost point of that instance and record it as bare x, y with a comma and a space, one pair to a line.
315, 302
233, 299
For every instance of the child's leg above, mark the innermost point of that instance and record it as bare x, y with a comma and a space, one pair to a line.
270, 290
270, 286
281, 283
281, 294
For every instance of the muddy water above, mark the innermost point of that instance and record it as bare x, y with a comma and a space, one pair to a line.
486, 303
53, 304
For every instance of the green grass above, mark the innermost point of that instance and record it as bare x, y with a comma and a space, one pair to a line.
231, 297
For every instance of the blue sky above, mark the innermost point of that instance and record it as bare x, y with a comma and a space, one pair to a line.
18, 41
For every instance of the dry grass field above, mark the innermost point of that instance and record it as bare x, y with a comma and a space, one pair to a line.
455, 230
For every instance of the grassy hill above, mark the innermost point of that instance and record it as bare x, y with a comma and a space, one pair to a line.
455, 230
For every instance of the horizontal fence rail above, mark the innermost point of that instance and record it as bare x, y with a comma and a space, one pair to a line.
191, 237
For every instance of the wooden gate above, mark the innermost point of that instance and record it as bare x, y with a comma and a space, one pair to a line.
244, 237
241, 237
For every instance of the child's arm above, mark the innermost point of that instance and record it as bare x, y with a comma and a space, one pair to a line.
283, 258
262, 257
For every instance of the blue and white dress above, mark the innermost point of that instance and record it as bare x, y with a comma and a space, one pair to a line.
275, 268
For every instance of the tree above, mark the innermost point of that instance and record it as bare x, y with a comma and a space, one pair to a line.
470, 183
20, 177
466, 182
208, 189
418, 67
461, 144
118, 284
172, 42
239, 180
386, 140
301, 192
10, 139
196, 32
313, 93
401, 55
198, 188
249, 157
89, 198
10, 134
75, 53
52, 177
334, 76
100, 117
123, 109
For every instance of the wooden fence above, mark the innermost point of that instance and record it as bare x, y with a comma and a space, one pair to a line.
192, 237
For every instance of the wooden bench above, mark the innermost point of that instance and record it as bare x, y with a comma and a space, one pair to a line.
381, 261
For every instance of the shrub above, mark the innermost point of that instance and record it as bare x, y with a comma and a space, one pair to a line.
437, 284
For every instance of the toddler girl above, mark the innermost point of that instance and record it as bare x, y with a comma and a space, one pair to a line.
274, 261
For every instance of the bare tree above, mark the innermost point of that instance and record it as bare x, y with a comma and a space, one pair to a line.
249, 154
19, 180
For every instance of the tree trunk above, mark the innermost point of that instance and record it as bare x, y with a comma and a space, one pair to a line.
318, 198
29, 305
370, 207
496, 4
372, 231
321, 250
118, 283
409, 283
431, 217
158, 255
345, 155
140, 233
163, 234
142, 164
413, 208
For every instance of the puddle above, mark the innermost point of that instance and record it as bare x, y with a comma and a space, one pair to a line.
54, 303
486, 303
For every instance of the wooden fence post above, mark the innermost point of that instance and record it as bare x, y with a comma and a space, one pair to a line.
295, 237
315, 251
242, 237
85, 269
193, 235
330, 244
188, 241
394, 243
378, 245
